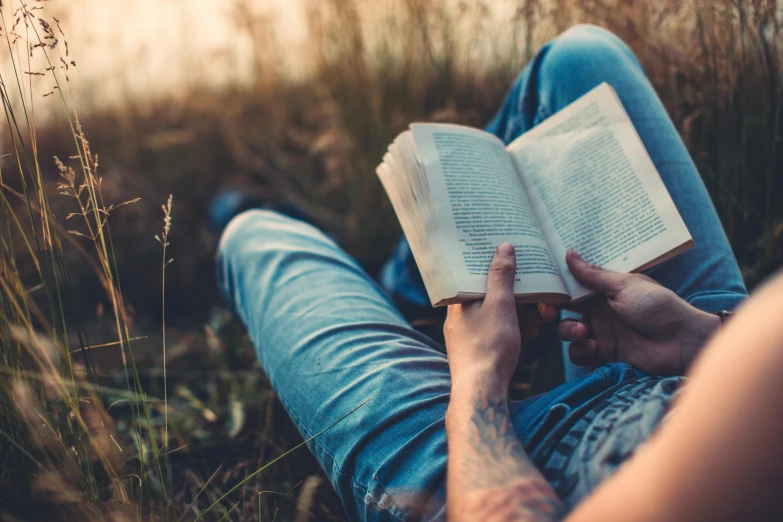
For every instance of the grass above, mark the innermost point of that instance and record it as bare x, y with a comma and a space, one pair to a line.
122, 401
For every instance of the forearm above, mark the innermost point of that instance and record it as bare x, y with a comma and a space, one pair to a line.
718, 455
490, 477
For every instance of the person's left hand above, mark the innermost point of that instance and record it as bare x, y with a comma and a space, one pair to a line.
484, 338
634, 320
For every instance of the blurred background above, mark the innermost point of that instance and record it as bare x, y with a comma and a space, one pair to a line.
296, 101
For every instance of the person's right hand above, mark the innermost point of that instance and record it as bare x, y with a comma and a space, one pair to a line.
633, 320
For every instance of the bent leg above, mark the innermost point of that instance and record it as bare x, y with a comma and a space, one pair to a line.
707, 276
580, 59
595, 436
564, 69
329, 340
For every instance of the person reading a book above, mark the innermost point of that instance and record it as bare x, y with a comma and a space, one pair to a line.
385, 408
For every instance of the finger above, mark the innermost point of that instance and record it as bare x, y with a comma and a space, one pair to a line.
571, 330
452, 314
502, 271
594, 277
584, 353
454, 310
547, 312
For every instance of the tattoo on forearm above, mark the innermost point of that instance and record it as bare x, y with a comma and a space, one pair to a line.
498, 464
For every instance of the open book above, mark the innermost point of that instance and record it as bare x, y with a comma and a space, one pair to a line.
580, 180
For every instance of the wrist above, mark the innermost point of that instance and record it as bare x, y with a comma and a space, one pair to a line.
483, 382
700, 328
706, 325
468, 390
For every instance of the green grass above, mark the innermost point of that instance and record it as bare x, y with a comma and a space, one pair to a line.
97, 418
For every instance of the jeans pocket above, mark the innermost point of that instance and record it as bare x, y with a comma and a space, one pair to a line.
607, 436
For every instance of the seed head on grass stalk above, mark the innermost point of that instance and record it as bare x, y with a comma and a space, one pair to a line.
65, 438
163, 239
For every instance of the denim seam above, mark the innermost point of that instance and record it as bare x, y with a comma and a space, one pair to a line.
603, 375
714, 293
398, 512
517, 120
527, 432
542, 112
674, 162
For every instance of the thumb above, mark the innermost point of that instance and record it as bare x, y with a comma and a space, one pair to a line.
594, 277
502, 272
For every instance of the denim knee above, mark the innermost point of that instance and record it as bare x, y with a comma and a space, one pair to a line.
241, 237
235, 235
231, 239
575, 62
588, 46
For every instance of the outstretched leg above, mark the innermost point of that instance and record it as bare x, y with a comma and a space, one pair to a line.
329, 340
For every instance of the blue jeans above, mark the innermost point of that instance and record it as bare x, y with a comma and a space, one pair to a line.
329, 338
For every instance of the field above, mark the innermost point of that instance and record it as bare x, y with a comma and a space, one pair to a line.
129, 391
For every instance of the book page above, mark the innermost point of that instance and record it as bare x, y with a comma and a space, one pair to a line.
478, 203
404, 179
596, 190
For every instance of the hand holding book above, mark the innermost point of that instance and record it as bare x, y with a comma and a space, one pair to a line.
580, 180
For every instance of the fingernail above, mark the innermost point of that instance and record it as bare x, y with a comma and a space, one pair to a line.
506, 249
574, 329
